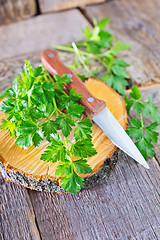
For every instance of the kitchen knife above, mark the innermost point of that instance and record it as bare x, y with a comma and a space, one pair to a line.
95, 108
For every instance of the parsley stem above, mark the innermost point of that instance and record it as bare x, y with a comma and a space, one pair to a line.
72, 49
141, 116
61, 112
77, 52
55, 106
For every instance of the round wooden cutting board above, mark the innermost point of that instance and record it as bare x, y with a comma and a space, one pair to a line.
23, 166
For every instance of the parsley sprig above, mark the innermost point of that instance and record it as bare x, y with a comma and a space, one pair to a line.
145, 134
100, 46
38, 107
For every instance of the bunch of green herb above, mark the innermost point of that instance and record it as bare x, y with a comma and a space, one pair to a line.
30, 106
100, 45
144, 134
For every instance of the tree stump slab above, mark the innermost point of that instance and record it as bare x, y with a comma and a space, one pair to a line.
24, 166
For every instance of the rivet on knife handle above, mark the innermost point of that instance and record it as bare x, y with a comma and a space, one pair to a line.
52, 63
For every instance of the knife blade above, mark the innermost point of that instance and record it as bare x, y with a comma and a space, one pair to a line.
94, 107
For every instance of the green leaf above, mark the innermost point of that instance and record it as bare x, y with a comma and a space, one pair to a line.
136, 130
117, 83
145, 147
138, 107
73, 96
120, 62
63, 167
135, 93
61, 80
49, 127
83, 148
102, 24
81, 166
152, 135
72, 183
37, 137
118, 46
6, 124
93, 48
87, 33
38, 71
24, 140
65, 124
150, 109
129, 103
83, 129
95, 34
119, 71
75, 110
28, 127
56, 152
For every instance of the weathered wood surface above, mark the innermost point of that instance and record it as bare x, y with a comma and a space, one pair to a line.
127, 204
13, 11
58, 5
17, 215
136, 23
41, 32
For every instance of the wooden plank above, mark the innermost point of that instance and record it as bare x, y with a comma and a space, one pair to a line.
13, 11
58, 5
41, 32
17, 216
11, 67
136, 23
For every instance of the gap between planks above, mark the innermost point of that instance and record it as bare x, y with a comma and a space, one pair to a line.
32, 217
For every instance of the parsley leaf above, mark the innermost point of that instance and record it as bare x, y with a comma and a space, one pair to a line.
56, 151
65, 124
83, 148
150, 109
81, 166
83, 129
144, 135
49, 127
72, 182
74, 110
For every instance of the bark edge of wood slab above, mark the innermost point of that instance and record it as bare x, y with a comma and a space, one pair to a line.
39, 175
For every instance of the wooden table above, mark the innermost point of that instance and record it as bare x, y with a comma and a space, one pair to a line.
126, 206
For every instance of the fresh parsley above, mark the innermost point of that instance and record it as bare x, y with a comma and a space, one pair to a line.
144, 134
100, 46
37, 108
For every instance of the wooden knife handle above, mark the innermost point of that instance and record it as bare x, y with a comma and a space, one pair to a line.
52, 63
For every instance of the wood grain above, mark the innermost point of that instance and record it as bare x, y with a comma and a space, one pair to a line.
41, 32
58, 5
13, 11
136, 23
16, 213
